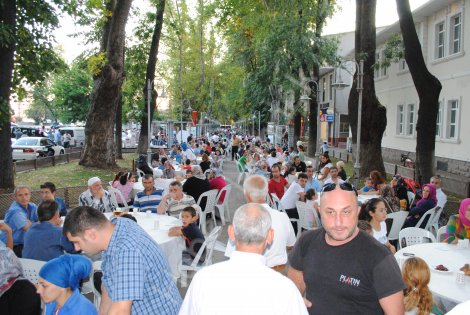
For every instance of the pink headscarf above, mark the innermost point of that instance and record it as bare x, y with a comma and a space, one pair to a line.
432, 194
462, 211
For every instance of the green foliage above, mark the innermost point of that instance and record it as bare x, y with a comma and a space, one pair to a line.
96, 63
393, 52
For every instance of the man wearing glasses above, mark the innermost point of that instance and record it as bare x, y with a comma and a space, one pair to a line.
343, 270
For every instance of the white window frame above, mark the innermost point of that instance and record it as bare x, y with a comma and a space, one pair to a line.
452, 39
410, 122
402, 65
438, 46
448, 124
330, 87
439, 120
401, 120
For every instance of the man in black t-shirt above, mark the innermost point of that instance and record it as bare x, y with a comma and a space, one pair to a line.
299, 165
343, 270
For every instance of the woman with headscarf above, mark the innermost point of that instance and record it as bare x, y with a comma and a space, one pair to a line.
458, 226
196, 185
399, 186
58, 284
392, 203
427, 202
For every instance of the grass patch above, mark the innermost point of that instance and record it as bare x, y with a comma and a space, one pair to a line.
71, 174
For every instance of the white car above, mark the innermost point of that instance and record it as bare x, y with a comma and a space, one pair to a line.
30, 148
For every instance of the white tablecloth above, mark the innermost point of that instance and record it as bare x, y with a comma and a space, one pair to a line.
452, 257
364, 198
171, 246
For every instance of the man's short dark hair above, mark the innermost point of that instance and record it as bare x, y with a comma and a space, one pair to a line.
276, 165
47, 209
48, 185
296, 157
190, 210
83, 218
333, 168
309, 166
302, 175
176, 183
148, 176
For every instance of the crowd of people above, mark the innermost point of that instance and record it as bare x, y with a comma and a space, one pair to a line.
346, 266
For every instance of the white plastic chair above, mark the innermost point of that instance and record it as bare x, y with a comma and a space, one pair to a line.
398, 218
211, 197
31, 269
434, 225
411, 197
222, 207
113, 192
241, 173
140, 173
276, 202
195, 265
441, 232
302, 223
96, 293
413, 235
430, 215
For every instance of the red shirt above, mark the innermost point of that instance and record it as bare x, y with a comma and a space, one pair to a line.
218, 183
277, 187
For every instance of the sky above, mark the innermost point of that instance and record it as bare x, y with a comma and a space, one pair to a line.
342, 21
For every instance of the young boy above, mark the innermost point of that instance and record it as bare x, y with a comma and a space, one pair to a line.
368, 186
190, 232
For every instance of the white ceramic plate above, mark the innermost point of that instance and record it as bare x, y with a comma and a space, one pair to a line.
441, 271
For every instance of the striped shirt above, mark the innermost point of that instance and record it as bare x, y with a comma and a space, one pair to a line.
144, 202
175, 206
135, 269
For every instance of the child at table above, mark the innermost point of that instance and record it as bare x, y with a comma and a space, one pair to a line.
190, 232
418, 297
187, 165
312, 205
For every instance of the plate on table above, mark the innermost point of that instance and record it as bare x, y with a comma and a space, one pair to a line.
448, 271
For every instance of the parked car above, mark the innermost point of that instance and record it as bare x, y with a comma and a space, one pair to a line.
30, 148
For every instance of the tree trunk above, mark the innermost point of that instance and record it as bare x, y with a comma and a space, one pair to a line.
313, 114
118, 133
374, 119
428, 88
150, 76
8, 21
100, 149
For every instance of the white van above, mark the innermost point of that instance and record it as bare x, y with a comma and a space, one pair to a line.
76, 133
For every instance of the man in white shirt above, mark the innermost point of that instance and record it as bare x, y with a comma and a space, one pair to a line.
334, 178
243, 284
295, 192
272, 159
441, 196
255, 189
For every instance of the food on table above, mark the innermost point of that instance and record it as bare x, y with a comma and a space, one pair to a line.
466, 269
441, 268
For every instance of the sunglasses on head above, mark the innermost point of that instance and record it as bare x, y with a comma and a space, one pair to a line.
343, 186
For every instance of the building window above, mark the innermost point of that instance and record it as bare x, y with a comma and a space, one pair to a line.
402, 66
455, 34
439, 120
440, 35
323, 97
330, 87
344, 125
400, 120
410, 122
452, 119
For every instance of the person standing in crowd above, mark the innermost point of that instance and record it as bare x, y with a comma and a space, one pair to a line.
253, 288
59, 280
20, 217
343, 270
45, 241
235, 145
95, 196
48, 192
136, 276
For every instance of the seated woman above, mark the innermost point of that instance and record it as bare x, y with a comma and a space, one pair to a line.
169, 170
341, 171
458, 227
426, 203
391, 201
374, 212
196, 185
399, 186
418, 297
58, 284
124, 184
324, 167
205, 164
300, 152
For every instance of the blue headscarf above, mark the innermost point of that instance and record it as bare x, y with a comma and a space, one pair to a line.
66, 271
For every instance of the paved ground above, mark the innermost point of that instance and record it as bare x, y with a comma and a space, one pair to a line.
236, 200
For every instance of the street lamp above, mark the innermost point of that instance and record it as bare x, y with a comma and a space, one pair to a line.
149, 119
340, 85
305, 98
